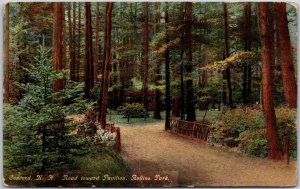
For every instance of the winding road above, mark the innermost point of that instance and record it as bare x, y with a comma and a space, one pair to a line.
158, 158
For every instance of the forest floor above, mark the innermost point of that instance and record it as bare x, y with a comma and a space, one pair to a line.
150, 151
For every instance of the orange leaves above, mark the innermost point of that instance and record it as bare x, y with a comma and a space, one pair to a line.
239, 58
161, 48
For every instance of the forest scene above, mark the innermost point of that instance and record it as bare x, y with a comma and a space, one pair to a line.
148, 94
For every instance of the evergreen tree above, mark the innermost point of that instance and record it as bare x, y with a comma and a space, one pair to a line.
34, 137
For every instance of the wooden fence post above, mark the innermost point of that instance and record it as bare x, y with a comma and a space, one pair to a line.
118, 140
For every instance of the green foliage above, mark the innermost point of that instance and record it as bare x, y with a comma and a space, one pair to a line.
250, 123
96, 91
137, 84
96, 160
132, 110
241, 119
287, 126
175, 88
241, 57
212, 91
72, 97
132, 107
100, 161
37, 136
253, 142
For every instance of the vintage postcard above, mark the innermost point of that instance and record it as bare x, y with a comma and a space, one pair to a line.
150, 94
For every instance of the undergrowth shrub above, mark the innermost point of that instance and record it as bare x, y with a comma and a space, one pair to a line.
132, 109
249, 122
287, 126
93, 132
88, 127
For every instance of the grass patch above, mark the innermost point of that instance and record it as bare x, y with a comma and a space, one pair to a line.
120, 120
104, 168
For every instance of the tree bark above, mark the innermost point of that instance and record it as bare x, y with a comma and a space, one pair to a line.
97, 42
157, 105
227, 53
65, 60
167, 67
106, 65
247, 47
78, 61
71, 43
175, 107
157, 77
145, 57
191, 115
89, 68
267, 75
57, 44
286, 56
6, 55
182, 91
74, 40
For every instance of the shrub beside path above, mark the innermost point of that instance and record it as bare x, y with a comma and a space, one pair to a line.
150, 151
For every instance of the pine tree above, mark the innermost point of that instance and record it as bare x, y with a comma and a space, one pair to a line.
36, 139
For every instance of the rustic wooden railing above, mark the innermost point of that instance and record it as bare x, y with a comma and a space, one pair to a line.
193, 130
111, 128
202, 132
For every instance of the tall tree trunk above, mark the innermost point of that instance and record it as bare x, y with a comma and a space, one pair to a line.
106, 65
145, 57
122, 62
267, 74
74, 41
191, 115
89, 68
226, 53
286, 56
57, 43
247, 47
182, 96
175, 107
6, 55
157, 77
97, 42
64, 47
167, 67
182, 92
71, 43
78, 61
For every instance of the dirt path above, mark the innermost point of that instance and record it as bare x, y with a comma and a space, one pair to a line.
150, 151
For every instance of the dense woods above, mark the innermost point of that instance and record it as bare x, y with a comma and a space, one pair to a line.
178, 60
